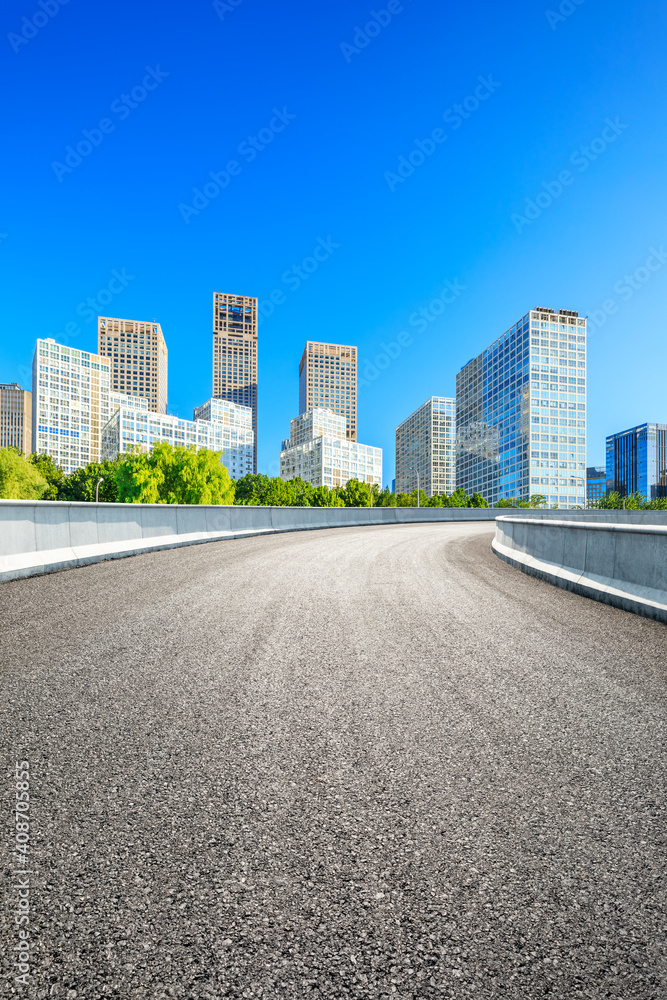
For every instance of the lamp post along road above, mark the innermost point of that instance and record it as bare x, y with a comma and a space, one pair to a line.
97, 489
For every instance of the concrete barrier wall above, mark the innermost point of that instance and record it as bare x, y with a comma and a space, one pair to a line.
619, 558
38, 536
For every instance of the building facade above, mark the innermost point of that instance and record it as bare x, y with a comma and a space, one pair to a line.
218, 425
319, 452
426, 444
15, 417
328, 378
521, 412
637, 461
70, 404
596, 483
138, 357
235, 353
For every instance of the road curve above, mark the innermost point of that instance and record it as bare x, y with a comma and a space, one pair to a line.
366, 762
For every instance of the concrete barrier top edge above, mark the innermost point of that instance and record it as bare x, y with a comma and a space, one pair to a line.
648, 529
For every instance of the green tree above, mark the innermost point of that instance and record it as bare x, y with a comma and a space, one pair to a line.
355, 494
19, 479
51, 472
322, 496
81, 484
174, 474
535, 500
385, 498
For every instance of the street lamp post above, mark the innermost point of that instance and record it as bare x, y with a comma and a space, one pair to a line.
97, 489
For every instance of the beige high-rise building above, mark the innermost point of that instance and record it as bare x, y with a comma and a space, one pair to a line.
138, 357
15, 417
235, 353
328, 378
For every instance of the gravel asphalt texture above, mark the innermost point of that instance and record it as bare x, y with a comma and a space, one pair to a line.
365, 762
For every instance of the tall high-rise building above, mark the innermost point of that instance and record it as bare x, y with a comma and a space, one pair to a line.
15, 417
138, 357
521, 412
328, 378
637, 461
425, 444
320, 452
70, 404
235, 353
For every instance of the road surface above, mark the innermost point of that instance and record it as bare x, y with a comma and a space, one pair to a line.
365, 762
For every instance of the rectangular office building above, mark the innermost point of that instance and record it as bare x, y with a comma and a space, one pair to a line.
218, 425
426, 446
70, 404
319, 452
637, 461
138, 359
328, 378
235, 353
521, 413
15, 417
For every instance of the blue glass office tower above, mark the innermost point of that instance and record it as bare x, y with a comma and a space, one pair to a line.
637, 461
521, 412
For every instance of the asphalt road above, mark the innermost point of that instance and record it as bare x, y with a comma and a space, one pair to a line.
369, 762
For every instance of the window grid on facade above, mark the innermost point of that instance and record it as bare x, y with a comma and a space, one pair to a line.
319, 452
636, 461
328, 378
425, 444
521, 412
218, 425
138, 359
70, 404
235, 353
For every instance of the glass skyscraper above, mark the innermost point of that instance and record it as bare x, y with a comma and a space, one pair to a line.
521, 412
637, 461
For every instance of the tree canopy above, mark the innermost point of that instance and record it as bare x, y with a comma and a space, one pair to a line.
19, 479
174, 474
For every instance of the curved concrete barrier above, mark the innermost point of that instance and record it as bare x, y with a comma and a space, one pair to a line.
620, 559
41, 536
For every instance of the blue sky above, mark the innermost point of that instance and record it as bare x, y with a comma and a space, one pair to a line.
336, 107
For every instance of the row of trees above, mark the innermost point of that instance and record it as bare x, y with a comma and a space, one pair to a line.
169, 474
259, 490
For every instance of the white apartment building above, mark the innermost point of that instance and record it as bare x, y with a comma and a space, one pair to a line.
319, 452
70, 404
219, 425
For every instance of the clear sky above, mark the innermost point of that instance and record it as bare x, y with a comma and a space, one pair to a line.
315, 104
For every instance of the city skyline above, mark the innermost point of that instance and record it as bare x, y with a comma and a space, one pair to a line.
408, 270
